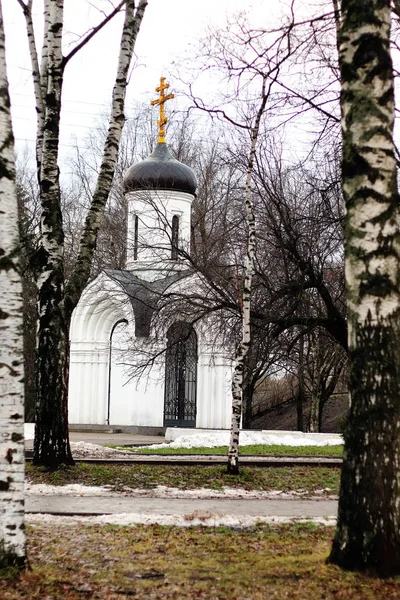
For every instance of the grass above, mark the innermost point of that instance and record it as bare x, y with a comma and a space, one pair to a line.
256, 449
170, 563
190, 477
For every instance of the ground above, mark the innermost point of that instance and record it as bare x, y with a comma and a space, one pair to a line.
71, 559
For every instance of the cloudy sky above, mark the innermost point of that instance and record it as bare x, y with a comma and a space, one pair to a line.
169, 31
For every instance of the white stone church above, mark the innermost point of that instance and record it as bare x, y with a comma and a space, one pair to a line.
129, 366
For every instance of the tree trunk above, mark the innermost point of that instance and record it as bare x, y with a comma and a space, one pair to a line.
248, 390
321, 414
300, 391
12, 457
51, 446
247, 405
368, 531
243, 348
314, 412
56, 300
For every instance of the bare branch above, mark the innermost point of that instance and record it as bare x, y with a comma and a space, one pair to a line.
93, 32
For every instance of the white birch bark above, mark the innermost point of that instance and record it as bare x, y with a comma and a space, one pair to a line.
243, 347
51, 446
12, 533
39, 82
368, 532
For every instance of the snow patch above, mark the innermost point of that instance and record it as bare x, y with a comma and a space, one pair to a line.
247, 438
162, 491
195, 519
87, 450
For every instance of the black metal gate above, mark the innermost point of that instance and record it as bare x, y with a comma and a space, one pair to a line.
180, 376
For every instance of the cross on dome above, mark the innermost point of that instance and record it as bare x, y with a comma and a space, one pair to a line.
161, 101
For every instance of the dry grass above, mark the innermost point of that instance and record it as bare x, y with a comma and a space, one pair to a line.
154, 562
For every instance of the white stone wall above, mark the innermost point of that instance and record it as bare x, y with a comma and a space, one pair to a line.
155, 212
134, 399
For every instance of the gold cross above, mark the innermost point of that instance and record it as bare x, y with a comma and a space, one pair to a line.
161, 101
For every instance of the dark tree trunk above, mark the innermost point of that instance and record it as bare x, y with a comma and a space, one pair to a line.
51, 446
320, 414
300, 390
30, 320
247, 405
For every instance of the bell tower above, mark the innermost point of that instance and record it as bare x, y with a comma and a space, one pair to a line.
160, 191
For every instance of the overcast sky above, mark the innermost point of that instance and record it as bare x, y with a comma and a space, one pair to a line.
169, 29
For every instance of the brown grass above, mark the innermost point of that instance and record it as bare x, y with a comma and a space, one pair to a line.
154, 562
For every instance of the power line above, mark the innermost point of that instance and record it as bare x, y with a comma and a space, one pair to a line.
62, 122
72, 101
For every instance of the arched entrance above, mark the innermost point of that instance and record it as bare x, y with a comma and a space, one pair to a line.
118, 401
180, 376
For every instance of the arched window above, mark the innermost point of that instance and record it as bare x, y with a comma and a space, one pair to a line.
174, 237
180, 376
136, 238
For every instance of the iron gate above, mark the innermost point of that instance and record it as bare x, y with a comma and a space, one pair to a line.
180, 376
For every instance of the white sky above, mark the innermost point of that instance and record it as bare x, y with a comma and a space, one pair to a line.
168, 30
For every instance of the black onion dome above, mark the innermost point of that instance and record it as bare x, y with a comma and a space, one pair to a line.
160, 171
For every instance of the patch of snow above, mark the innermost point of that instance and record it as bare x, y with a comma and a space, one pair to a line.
72, 489
221, 438
162, 491
87, 450
195, 519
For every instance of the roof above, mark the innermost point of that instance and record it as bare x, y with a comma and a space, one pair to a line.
160, 171
144, 295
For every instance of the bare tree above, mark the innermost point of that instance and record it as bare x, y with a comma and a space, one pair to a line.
12, 460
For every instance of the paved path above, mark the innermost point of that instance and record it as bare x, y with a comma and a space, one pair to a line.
94, 505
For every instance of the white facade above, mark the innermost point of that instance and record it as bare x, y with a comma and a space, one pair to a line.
149, 237
120, 371
108, 383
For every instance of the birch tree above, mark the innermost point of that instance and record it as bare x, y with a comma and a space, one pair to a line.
12, 534
368, 530
243, 346
58, 297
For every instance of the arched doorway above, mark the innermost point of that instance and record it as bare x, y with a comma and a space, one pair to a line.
118, 401
180, 376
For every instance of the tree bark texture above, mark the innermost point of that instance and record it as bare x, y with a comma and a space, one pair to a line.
12, 457
51, 445
56, 300
368, 531
243, 347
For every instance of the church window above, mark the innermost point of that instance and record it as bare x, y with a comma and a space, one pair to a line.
136, 238
174, 237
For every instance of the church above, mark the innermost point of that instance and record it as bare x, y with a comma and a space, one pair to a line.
139, 358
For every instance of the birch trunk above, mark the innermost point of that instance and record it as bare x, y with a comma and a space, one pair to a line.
51, 445
56, 303
368, 530
243, 347
12, 532
314, 412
